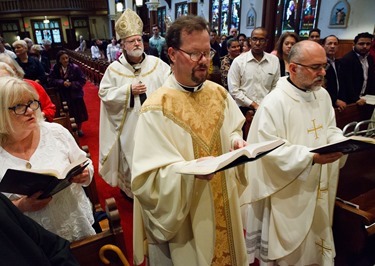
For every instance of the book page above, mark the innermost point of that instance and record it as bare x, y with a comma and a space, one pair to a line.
213, 164
370, 99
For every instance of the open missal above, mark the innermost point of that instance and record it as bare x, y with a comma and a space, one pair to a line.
27, 182
347, 145
249, 153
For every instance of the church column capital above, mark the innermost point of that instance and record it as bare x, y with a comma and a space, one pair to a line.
152, 5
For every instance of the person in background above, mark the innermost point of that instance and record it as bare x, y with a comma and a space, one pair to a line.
288, 204
241, 38
3, 50
314, 35
357, 70
11, 68
254, 74
46, 51
69, 79
95, 51
233, 32
246, 45
31, 66
215, 45
25, 242
126, 83
112, 50
332, 81
29, 43
157, 41
82, 45
234, 50
147, 48
36, 51
282, 47
188, 219
27, 142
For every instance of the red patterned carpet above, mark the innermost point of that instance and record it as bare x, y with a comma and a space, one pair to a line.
91, 139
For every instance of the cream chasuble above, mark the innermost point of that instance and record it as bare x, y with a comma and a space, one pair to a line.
199, 220
116, 113
288, 204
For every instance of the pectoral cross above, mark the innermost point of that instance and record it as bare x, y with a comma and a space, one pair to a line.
315, 129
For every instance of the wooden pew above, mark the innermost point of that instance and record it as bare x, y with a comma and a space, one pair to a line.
354, 228
87, 250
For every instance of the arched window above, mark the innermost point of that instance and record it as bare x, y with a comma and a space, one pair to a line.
299, 16
225, 14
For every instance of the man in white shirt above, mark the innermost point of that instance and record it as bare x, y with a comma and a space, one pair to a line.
254, 74
157, 41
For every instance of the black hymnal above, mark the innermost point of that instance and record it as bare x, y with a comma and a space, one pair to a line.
28, 182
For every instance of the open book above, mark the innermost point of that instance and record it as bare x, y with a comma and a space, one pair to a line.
248, 153
28, 182
348, 145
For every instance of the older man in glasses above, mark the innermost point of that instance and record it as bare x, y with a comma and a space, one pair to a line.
254, 74
124, 87
292, 190
189, 219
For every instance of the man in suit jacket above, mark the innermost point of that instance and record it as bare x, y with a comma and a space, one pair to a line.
332, 82
357, 70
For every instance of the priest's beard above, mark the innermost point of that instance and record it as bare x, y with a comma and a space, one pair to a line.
135, 53
307, 85
198, 75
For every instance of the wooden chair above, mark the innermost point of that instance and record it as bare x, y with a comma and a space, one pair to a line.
87, 251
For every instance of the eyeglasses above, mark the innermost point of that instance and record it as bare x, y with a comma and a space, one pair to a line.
21, 109
134, 41
261, 40
197, 56
314, 67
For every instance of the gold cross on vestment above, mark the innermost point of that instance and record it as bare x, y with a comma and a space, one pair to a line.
315, 129
325, 248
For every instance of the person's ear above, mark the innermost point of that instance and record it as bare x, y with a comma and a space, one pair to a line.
172, 54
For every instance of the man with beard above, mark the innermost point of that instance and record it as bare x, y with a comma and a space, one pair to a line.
125, 85
254, 74
358, 71
288, 206
188, 219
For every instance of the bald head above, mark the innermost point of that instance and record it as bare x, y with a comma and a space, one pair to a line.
303, 51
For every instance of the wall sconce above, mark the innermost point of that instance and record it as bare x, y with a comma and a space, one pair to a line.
119, 7
46, 20
139, 3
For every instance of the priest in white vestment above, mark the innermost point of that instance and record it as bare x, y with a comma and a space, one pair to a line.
288, 204
126, 83
188, 219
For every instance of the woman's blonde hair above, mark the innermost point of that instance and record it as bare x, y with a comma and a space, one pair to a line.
14, 91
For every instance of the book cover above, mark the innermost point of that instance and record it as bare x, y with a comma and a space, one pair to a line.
28, 182
348, 145
249, 153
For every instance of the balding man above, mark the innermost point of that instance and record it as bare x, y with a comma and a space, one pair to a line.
254, 74
292, 191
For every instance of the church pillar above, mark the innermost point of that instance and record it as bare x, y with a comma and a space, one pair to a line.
153, 8
192, 7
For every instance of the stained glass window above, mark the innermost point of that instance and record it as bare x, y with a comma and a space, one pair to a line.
49, 31
225, 14
299, 16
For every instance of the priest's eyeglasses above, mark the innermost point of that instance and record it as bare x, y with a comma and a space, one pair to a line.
197, 56
21, 109
316, 67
